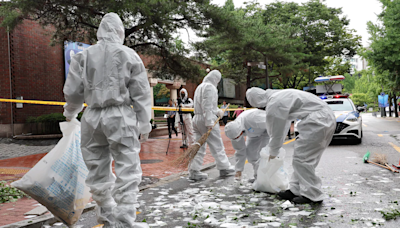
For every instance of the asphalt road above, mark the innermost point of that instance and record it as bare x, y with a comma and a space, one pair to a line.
356, 192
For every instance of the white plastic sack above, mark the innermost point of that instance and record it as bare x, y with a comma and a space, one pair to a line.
272, 176
58, 180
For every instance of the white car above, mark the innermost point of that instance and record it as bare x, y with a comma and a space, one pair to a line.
348, 118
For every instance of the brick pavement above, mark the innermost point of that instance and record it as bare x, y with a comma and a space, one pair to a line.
154, 149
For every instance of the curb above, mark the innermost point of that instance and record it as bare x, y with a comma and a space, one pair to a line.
39, 221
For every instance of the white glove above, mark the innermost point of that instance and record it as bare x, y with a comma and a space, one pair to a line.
220, 113
144, 137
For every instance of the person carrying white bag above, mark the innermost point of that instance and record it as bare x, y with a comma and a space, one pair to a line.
57, 181
111, 78
272, 176
316, 129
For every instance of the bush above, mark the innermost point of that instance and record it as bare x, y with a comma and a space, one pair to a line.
50, 118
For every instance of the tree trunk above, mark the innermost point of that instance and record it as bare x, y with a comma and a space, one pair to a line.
390, 106
396, 113
248, 84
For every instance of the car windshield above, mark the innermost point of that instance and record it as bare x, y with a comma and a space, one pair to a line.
340, 105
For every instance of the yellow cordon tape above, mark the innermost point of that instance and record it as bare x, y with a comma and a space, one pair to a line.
158, 108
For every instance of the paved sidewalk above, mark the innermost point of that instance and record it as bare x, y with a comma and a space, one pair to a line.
155, 164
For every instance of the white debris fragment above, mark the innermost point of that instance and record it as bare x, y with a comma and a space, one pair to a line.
294, 209
378, 194
396, 189
254, 200
286, 204
320, 223
306, 213
274, 224
268, 218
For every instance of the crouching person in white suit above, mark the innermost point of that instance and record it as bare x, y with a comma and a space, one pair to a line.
250, 123
315, 133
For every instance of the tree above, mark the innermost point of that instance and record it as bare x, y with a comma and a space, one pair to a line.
383, 53
150, 25
296, 39
323, 31
246, 38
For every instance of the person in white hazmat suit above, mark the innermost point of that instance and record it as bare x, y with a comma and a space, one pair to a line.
316, 129
205, 114
250, 123
186, 102
111, 77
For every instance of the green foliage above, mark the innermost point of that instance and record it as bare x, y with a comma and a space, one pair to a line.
9, 194
392, 214
383, 54
348, 83
295, 39
360, 98
50, 118
150, 25
162, 92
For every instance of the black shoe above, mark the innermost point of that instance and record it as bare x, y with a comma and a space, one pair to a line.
184, 146
303, 200
287, 195
176, 133
169, 135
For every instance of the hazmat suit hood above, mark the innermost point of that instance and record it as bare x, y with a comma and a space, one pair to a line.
213, 77
233, 129
258, 97
184, 97
111, 29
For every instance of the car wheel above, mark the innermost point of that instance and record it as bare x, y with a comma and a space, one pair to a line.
357, 140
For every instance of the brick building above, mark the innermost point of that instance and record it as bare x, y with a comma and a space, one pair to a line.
31, 69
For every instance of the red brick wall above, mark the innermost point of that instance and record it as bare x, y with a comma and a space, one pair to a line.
5, 108
37, 70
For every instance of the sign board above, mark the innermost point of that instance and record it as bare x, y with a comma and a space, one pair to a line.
383, 100
333, 88
70, 49
229, 88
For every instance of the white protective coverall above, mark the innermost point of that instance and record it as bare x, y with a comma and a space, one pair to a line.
315, 133
253, 123
206, 111
111, 77
186, 116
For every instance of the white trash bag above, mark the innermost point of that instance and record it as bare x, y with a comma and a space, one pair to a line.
272, 176
58, 180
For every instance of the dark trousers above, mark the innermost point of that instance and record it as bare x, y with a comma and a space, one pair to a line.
225, 119
171, 123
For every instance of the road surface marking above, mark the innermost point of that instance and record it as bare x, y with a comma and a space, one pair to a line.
395, 147
365, 125
380, 135
287, 142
